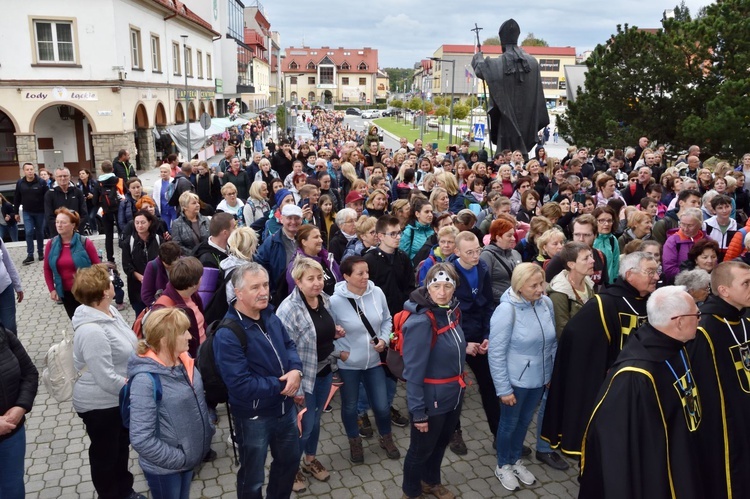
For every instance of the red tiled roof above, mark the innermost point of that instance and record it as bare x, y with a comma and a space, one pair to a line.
496, 49
182, 10
303, 56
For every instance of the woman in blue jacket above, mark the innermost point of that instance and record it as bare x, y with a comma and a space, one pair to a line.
521, 355
418, 230
434, 351
171, 435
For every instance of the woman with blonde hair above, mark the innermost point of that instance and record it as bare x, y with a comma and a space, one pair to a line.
257, 203
241, 247
401, 209
191, 228
549, 244
173, 433
231, 203
377, 203
440, 201
348, 177
447, 181
640, 224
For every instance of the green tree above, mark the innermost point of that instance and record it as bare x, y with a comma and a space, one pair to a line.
442, 111
428, 107
415, 104
532, 41
438, 101
398, 76
493, 40
472, 101
460, 111
398, 104
281, 118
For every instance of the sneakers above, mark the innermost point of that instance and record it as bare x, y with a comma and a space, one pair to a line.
507, 477
524, 476
438, 491
386, 442
364, 425
356, 453
316, 469
553, 460
300, 483
457, 444
328, 409
28, 261
397, 419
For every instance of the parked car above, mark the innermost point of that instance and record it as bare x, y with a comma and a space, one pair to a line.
557, 110
354, 110
370, 114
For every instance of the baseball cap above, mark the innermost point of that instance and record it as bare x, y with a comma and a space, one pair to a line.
353, 197
291, 210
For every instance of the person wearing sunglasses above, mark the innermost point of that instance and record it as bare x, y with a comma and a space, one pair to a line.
589, 345
649, 411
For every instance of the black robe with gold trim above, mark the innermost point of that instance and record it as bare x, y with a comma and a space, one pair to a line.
722, 370
639, 443
588, 346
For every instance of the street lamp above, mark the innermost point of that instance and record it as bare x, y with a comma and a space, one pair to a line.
453, 88
187, 100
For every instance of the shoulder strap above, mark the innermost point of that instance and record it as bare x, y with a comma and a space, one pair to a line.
363, 318
165, 301
501, 262
237, 329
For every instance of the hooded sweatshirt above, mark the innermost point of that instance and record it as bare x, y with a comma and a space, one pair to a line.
184, 426
443, 360
358, 341
567, 302
103, 345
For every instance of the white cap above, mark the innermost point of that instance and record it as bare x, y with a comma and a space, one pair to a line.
291, 210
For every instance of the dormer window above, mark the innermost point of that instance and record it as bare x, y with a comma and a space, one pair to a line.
362, 66
345, 66
293, 65
310, 65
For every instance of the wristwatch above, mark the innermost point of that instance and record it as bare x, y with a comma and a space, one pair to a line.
301, 374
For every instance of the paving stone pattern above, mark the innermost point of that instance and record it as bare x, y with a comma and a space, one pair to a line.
57, 458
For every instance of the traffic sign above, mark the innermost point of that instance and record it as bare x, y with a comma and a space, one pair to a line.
478, 132
205, 121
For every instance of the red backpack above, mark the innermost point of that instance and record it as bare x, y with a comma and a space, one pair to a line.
394, 358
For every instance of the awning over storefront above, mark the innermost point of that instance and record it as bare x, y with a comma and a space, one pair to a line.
198, 136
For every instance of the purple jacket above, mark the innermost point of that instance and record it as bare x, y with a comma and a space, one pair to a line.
675, 251
324, 258
154, 278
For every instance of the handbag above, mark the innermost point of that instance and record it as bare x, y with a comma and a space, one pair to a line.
371, 331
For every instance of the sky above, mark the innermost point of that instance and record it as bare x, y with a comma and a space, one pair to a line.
406, 31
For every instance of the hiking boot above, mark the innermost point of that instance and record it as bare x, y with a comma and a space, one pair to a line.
397, 419
365, 427
553, 460
300, 484
457, 444
41, 257
438, 491
316, 469
29, 260
356, 453
507, 477
524, 476
386, 442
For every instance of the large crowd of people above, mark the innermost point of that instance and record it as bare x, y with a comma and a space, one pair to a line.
550, 278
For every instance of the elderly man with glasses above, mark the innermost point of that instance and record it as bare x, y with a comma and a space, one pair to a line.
65, 195
589, 345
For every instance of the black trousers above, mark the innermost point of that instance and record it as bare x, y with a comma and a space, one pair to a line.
490, 401
109, 222
70, 303
426, 450
108, 453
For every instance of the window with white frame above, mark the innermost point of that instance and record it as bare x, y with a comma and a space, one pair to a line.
209, 68
199, 63
155, 54
176, 59
188, 61
136, 57
54, 41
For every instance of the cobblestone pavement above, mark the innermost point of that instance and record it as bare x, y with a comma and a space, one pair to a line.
57, 458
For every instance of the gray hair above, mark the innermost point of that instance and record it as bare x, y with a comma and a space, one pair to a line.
342, 215
238, 277
708, 196
695, 213
693, 280
632, 262
665, 303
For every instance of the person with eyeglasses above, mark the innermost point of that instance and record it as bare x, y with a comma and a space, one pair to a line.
720, 355
64, 195
678, 245
589, 345
649, 410
583, 231
605, 241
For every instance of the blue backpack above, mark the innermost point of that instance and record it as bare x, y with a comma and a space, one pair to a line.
125, 400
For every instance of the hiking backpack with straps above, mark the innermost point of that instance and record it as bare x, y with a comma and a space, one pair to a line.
394, 358
109, 199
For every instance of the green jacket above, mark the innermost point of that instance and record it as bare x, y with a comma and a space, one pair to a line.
565, 301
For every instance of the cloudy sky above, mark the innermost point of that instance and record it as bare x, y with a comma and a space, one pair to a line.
405, 31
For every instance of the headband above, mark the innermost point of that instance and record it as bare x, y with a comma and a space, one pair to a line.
441, 276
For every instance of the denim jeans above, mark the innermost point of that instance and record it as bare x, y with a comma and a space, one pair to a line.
172, 486
12, 454
375, 388
315, 403
390, 389
33, 226
426, 450
514, 422
8, 309
541, 444
10, 231
254, 435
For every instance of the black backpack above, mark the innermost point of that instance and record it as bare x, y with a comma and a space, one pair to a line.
214, 387
108, 199
217, 305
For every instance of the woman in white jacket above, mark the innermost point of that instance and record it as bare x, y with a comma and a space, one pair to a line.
361, 309
521, 354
